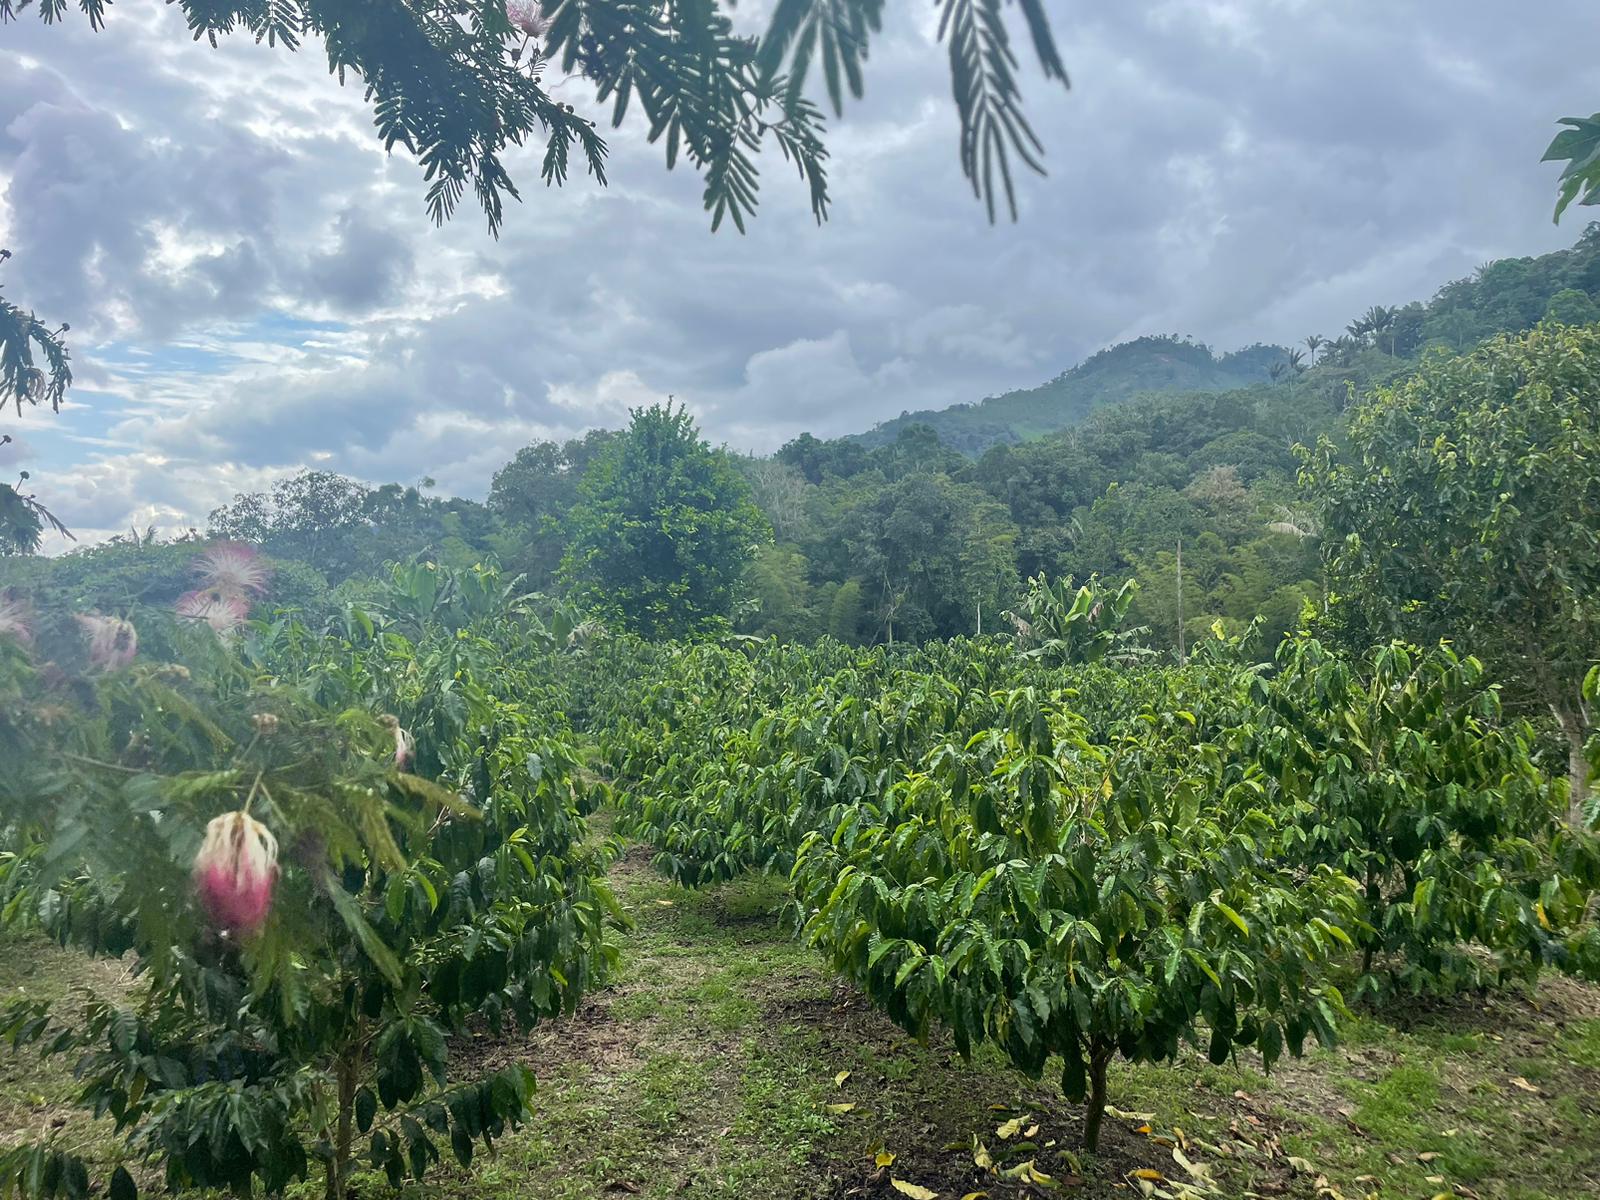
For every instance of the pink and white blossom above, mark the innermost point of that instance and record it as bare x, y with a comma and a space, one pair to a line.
528, 16
223, 611
232, 568
16, 619
404, 746
113, 642
236, 871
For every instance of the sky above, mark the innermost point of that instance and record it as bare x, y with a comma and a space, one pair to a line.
255, 287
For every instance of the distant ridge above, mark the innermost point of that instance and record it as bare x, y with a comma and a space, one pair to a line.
1147, 364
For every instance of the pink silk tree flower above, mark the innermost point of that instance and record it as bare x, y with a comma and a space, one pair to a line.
235, 872
113, 642
528, 16
404, 747
16, 619
233, 569
223, 611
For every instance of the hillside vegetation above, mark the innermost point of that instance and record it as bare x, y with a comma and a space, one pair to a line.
1120, 372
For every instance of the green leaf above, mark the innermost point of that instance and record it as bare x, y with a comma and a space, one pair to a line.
372, 945
366, 1108
122, 1185
1231, 915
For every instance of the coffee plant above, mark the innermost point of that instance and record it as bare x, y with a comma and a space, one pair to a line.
1077, 861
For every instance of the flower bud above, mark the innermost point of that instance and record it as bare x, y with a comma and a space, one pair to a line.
235, 872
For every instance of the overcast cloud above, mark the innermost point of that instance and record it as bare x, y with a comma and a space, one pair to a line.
255, 287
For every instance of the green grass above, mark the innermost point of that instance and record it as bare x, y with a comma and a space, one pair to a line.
711, 1067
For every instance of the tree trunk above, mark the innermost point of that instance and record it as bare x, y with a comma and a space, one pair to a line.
346, 1071
1572, 727
1181, 655
1095, 1113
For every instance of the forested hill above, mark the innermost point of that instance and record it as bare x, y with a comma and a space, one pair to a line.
1121, 372
1502, 296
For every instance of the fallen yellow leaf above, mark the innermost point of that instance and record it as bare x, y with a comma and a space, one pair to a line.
981, 1158
976, 1196
1025, 1171
1032, 1131
915, 1191
1148, 1173
1010, 1129
840, 1108
838, 1080
883, 1158
1519, 1081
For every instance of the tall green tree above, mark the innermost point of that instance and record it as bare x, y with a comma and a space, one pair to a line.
533, 494
1467, 508
781, 595
663, 529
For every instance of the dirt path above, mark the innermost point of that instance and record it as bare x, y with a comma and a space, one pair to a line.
712, 1068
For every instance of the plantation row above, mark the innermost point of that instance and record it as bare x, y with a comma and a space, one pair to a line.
1091, 861
329, 852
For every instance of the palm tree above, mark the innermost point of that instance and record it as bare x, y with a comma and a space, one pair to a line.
1296, 522
1359, 330
1296, 361
1380, 320
1315, 342
1276, 371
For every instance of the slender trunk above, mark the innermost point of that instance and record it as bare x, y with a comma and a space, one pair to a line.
1181, 656
1095, 1113
1566, 704
1572, 728
1375, 906
346, 1071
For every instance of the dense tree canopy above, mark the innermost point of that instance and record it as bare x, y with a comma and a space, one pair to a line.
1466, 508
662, 530
534, 492
899, 531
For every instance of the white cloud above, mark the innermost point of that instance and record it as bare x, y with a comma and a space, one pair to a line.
254, 285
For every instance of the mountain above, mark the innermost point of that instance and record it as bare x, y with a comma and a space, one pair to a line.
1144, 365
